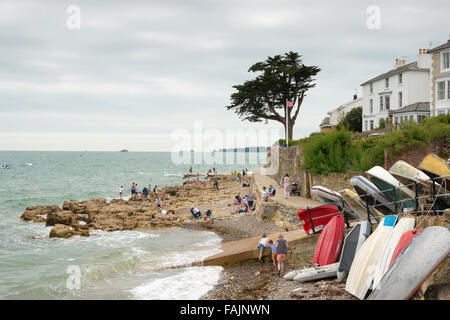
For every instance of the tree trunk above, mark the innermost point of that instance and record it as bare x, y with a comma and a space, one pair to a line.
290, 129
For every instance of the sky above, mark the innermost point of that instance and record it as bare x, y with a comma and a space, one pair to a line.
139, 75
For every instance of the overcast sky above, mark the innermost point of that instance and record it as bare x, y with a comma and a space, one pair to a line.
136, 71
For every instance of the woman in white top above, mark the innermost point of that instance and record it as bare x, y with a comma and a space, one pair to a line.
261, 245
120, 191
286, 182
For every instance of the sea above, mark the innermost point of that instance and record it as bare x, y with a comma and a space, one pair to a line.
137, 264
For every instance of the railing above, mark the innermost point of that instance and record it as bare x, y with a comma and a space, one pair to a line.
431, 190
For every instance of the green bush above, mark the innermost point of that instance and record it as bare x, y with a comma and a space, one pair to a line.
328, 152
336, 151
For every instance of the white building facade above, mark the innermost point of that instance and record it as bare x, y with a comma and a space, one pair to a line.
440, 80
404, 85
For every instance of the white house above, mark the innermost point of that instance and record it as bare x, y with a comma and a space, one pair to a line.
440, 79
335, 116
400, 87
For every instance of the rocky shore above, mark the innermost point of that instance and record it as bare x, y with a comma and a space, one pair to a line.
79, 217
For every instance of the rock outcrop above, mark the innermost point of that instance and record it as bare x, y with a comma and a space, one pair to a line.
140, 212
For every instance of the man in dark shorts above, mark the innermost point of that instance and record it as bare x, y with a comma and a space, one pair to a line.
216, 184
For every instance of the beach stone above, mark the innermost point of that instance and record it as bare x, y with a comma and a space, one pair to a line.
36, 213
60, 231
60, 217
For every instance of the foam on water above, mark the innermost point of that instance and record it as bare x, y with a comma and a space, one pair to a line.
190, 284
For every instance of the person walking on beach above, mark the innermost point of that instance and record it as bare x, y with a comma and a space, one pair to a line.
286, 184
216, 184
282, 249
261, 246
190, 170
121, 192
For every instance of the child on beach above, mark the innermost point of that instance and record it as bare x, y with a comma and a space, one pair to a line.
158, 202
120, 191
264, 195
274, 252
261, 246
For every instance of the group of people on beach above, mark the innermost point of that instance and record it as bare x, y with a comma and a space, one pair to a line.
279, 251
146, 191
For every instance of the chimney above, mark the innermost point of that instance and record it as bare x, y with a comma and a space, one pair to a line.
424, 59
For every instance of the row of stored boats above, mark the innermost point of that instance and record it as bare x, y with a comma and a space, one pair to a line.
394, 260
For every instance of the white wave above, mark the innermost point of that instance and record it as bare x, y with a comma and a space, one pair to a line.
190, 284
178, 259
173, 175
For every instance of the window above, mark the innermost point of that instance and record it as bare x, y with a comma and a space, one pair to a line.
387, 102
396, 120
420, 118
400, 78
445, 58
411, 117
400, 99
448, 89
371, 124
371, 106
365, 125
441, 90
371, 88
440, 112
386, 82
381, 103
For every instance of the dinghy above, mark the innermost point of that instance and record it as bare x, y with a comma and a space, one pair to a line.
435, 166
329, 244
353, 241
372, 195
403, 243
424, 254
403, 225
326, 196
393, 189
316, 273
411, 177
315, 219
353, 201
360, 276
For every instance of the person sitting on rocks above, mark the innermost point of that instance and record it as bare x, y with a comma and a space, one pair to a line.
272, 191
246, 183
242, 208
196, 213
207, 215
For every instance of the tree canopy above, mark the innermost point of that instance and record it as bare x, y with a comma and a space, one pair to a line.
279, 79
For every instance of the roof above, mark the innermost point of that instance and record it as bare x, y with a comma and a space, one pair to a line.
441, 47
325, 122
415, 107
407, 67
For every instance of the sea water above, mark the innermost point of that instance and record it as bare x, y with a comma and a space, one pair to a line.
136, 264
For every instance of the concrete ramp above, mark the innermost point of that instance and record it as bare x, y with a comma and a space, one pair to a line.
235, 252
